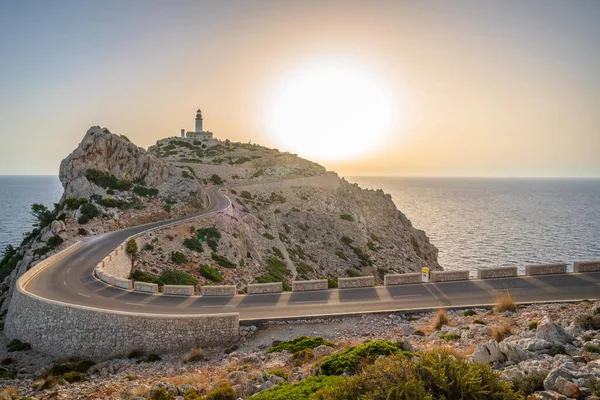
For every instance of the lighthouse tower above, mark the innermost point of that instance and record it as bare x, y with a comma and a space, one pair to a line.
198, 121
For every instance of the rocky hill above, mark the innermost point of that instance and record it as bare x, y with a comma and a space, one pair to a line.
291, 219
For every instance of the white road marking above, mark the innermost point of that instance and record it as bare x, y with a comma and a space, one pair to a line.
132, 304
232, 305
406, 295
68, 269
309, 301
84, 295
64, 283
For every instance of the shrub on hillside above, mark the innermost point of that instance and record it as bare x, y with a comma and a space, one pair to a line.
529, 384
210, 273
300, 343
222, 261
210, 236
223, 391
175, 277
296, 391
145, 192
193, 244
349, 360
43, 216
87, 212
353, 273
178, 257
347, 217
73, 204
139, 275
131, 248
216, 179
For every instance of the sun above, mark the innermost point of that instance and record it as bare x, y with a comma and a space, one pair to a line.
330, 111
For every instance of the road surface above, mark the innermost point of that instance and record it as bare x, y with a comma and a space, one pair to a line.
70, 280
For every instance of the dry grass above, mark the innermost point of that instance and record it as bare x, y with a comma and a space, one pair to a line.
441, 319
197, 354
139, 391
9, 393
505, 302
501, 332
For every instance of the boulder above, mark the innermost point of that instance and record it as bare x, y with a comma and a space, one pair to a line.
551, 332
513, 352
322, 351
57, 227
532, 344
567, 388
487, 353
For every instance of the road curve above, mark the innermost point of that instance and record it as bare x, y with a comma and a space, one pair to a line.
70, 281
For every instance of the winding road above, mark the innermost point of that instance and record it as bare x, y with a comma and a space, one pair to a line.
70, 280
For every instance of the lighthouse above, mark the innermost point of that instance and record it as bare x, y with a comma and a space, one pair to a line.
198, 121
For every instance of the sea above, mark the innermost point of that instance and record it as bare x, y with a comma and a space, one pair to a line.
474, 222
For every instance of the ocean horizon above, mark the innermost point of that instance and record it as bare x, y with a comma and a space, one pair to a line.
475, 222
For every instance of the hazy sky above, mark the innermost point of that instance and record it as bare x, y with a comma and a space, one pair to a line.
480, 88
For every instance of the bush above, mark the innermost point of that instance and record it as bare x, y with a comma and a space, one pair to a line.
153, 357
87, 211
441, 319
197, 354
595, 386
353, 273
434, 376
161, 394
479, 322
222, 261
55, 241
532, 325
469, 313
505, 302
209, 235
175, 277
347, 217
300, 343
589, 322
17, 345
131, 248
246, 195
82, 232
73, 204
42, 215
501, 332
529, 384
450, 336
9, 261
223, 391
332, 283
268, 236
139, 275
74, 376
135, 353
145, 192
210, 273
557, 349
349, 360
592, 348
193, 244
276, 272
296, 391
216, 179
178, 257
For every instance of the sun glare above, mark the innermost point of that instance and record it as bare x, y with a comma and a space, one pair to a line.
330, 111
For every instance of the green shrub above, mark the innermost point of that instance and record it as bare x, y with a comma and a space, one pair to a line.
106, 181
17, 345
277, 252
193, 244
7, 361
529, 384
349, 360
276, 272
161, 394
468, 313
43, 216
450, 336
55, 241
216, 179
223, 391
82, 232
595, 386
434, 376
296, 391
9, 261
87, 211
332, 283
139, 275
479, 322
131, 248
353, 273
193, 394
304, 269
300, 343
268, 236
210, 273
278, 372
153, 357
145, 192
222, 261
135, 353
592, 348
364, 258
7, 373
246, 195
209, 235
73, 204
175, 277
74, 376
346, 240
347, 217
589, 322
178, 257
532, 325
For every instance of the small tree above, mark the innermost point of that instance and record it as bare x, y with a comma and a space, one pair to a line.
132, 250
43, 216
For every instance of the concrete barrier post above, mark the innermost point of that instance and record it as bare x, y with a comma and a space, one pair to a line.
447, 276
402, 279
145, 287
123, 283
261, 288
304, 286
361, 281
178, 290
546, 269
500, 272
586, 266
223, 290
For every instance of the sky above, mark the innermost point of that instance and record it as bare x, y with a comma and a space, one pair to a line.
473, 88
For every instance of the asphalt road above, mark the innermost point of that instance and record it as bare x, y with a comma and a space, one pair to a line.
70, 280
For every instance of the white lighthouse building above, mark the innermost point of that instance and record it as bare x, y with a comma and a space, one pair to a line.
199, 133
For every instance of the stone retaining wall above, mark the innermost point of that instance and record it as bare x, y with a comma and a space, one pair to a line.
145, 287
402, 279
500, 272
304, 286
361, 281
447, 276
545, 269
223, 290
178, 290
586, 266
260, 288
123, 283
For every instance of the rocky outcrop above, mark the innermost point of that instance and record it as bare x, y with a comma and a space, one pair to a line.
117, 156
